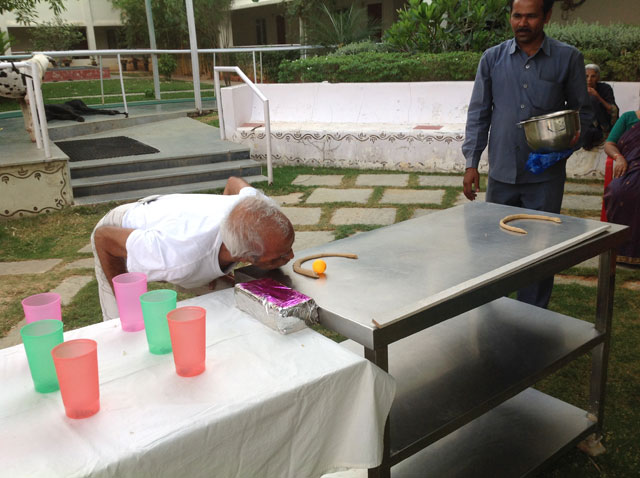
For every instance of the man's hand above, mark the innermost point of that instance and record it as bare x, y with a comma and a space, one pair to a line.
111, 247
592, 92
471, 183
234, 185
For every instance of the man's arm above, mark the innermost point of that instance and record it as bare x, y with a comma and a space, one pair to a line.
234, 185
111, 247
477, 127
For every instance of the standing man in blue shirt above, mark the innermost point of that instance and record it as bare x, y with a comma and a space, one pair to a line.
528, 75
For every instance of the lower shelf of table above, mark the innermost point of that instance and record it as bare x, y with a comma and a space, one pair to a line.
452, 373
514, 439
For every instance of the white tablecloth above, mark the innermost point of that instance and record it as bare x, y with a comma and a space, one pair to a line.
268, 405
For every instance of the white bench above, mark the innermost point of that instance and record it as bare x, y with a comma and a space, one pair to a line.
415, 126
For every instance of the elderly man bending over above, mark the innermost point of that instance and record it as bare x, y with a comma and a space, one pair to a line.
189, 239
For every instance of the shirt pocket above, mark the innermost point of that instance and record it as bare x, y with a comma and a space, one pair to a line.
546, 96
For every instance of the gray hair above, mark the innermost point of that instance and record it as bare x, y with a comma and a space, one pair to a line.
594, 67
252, 218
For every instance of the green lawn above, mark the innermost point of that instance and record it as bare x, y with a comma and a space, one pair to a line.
137, 89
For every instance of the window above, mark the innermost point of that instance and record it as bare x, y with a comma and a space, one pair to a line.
261, 31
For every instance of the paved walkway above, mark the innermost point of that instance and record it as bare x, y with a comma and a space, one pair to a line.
333, 201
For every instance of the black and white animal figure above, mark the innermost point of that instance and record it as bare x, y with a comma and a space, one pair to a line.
13, 84
74, 110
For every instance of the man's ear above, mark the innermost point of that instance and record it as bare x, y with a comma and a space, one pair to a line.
548, 16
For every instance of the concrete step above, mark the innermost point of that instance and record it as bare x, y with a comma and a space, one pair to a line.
100, 123
174, 189
132, 164
114, 183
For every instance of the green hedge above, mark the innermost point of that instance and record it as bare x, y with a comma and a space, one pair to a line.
617, 39
378, 67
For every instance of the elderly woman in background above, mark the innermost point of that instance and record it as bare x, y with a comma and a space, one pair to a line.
622, 195
604, 107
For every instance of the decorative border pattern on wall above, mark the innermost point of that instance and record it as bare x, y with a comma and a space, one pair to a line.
300, 136
34, 188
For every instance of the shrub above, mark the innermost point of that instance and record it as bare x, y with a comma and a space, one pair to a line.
449, 25
361, 47
601, 58
615, 38
626, 67
167, 64
372, 66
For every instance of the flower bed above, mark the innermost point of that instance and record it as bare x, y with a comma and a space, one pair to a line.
76, 73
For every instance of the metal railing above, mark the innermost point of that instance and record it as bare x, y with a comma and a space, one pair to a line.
265, 103
36, 103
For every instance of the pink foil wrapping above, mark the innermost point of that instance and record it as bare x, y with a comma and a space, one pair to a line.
279, 307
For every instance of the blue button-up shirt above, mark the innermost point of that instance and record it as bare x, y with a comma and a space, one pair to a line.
511, 87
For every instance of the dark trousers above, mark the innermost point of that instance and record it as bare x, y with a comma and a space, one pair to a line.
545, 196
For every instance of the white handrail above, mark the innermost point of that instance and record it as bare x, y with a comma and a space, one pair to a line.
36, 104
265, 102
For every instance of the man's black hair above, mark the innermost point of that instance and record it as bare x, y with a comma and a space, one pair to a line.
546, 5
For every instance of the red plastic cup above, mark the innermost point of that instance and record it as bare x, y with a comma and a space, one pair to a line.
128, 288
42, 306
187, 327
76, 363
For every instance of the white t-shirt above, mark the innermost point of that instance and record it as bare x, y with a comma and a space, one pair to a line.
176, 237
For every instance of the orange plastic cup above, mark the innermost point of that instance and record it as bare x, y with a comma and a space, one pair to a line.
76, 363
187, 327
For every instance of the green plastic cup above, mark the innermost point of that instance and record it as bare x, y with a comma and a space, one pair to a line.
38, 339
155, 307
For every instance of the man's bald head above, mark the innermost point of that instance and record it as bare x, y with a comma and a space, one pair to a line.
257, 231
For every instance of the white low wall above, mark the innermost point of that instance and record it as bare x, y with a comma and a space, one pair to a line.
408, 126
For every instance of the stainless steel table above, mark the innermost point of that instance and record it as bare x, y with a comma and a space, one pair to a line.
426, 300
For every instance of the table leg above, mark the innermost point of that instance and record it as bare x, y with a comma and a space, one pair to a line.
600, 354
380, 357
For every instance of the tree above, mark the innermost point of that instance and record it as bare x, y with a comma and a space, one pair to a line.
56, 36
25, 10
450, 25
170, 22
338, 28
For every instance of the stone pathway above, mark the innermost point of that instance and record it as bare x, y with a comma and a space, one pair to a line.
329, 205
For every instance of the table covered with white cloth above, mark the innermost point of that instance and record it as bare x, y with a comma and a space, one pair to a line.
267, 405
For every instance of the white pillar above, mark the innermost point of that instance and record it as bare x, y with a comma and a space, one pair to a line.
152, 45
88, 21
193, 43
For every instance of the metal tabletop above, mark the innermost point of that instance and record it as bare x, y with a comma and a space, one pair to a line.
417, 265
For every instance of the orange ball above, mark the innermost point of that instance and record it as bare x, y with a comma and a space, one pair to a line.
319, 266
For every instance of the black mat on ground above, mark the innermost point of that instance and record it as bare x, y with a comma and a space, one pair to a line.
101, 148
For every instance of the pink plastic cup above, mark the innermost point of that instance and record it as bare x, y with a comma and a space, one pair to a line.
187, 327
42, 306
76, 363
128, 288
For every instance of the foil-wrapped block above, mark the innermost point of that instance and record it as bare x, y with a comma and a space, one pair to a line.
277, 306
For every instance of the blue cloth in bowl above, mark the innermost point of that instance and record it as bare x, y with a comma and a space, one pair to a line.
538, 162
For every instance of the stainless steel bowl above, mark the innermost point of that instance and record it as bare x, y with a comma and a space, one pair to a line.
552, 132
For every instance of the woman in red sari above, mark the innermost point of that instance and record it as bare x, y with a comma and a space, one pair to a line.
622, 196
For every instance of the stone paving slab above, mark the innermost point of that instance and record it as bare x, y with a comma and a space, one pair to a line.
302, 216
584, 188
324, 195
86, 263
423, 212
398, 180
86, 249
462, 199
13, 337
28, 267
412, 196
581, 202
293, 198
360, 215
450, 181
307, 239
70, 286
318, 180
